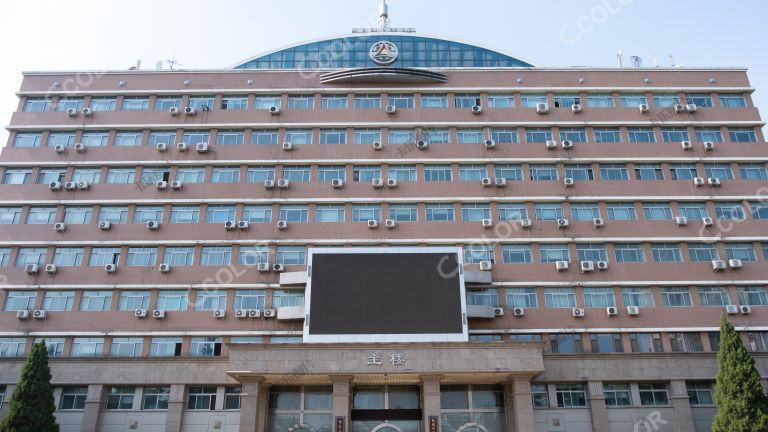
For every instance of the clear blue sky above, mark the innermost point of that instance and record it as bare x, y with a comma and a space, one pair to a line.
112, 34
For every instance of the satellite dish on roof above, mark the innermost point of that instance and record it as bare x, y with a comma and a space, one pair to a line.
636, 61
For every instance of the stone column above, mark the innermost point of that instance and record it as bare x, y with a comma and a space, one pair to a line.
92, 409
249, 406
342, 395
597, 408
430, 397
173, 417
518, 404
681, 404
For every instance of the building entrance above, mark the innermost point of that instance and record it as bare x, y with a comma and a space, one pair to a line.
386, 408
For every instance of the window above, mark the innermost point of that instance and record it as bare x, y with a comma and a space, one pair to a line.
17, 176
96, 301
675, 297
144, 214
20, 300
144, 257
249, 299
475, 212
234, 102
120, 398
522, 297
202, 103
201, 398
259, 174
512, 212
553, 252
298, 136
264, 136
366, 212
714, 341
179, 256
616, 172
505, 136
548, 212
47, 175
633, 100
567, 100
646, 342
12, 347
301, 102
576, 135
132, 300
540, 395
252, 255
665, 100
294, 213
701, 100
296, 173
579, 171
605, 343
585, 211
66, 103
103, 256
693, 210
27, 140
156, 398
565, 343
128, 139
640, 297
232, 398
10, 215
675, 135
88, 175
190, 175
434, 101
367, 136
230, 137
5, 254
219, 214
165, 347
538, 135
367, 101
708, 134
591, 252
741, 251
483, 297
467, 101
732, 100
126, 347
753, 171
666, 252
402, 173
742, 134
516, 254
600, 101
753, 296
657, 211
87, 347
701, 393
30, 256
165, 103
439, 213
758, 341
216, 256
257, 213
205, 347
73, 398
436, 136
287, 298
599, 297
185, 214
649, 172
641, 135
437, 173
543, 172
326, 174
713, 296
702, 252
225, 175
208, 300
653, 394
470, 136
607, 135
265, 102
291, 255
135, 103
32, 104
530, 100
121, 175
172, 300
722, 171
621, 211
629, 252
501, 101
685, 342
403, 212
571, 395
54, 346
559, 298
333, 102
401, 136
476, 253
333, 136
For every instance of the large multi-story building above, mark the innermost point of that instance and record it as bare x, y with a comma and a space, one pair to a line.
158, 226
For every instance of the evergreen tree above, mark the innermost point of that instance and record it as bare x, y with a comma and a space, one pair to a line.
741, 404
31, 408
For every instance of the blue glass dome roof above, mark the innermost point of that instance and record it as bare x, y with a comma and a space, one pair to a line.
353, 52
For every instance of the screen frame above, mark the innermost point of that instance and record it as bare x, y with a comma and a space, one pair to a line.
386, 338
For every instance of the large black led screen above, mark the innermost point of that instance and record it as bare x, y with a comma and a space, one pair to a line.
385, 293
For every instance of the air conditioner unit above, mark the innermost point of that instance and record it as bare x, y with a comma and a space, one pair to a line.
253, 313
54, 186
80, 148
269, 184
714, 182
201, 147
219, 313
598, 222
176, 185
70, 186
390, 109
390, 223
262, 267
110, 268
189, 111
643, 108
105, 225
568, 181
241, 313
486, 266
71, 112
162, 147
525, 223
518, 311
477, 109
337, 183
633, 310
542, 108
161, 184
22, 314
32, 268
686, 145
287, 146
490, 144
158, 314
87, 112
563, 223
602, 265
274, 110
282, 225
51, 268
377, 145
377, 183
718, 265
174, 111
164, 268
707, 221
586, 266
153, 225
498, 311
140, 313
487, 223
551, 145
39, 314
681, 220
611, 311
500, 181
577, 312
283, 183
576, 108
709, 145
731, 309
561, 265
699, 181
182, 146
270, 313
392, 183
567, 144
373, 223
83, 185
422, 145
60, 226
60, 149
230, 225
243, 225
691, 108
679, 108
486, 182
744, 309
735, 263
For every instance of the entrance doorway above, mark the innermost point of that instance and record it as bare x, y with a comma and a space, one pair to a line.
386, 408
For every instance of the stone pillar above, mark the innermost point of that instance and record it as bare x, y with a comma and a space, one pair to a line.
430, 398
249, 406
681, 404
597, 408
342, 395
518, 404
173, 417
263, 406
92, 409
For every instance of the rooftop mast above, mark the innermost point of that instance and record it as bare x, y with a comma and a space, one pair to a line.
383, 15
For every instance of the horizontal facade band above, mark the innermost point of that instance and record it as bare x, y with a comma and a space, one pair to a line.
614, 330
154, 333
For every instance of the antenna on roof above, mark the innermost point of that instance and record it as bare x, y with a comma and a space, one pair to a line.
636, 61
620, 58
383, 15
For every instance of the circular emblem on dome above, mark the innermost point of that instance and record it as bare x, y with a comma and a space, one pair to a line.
383, 53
